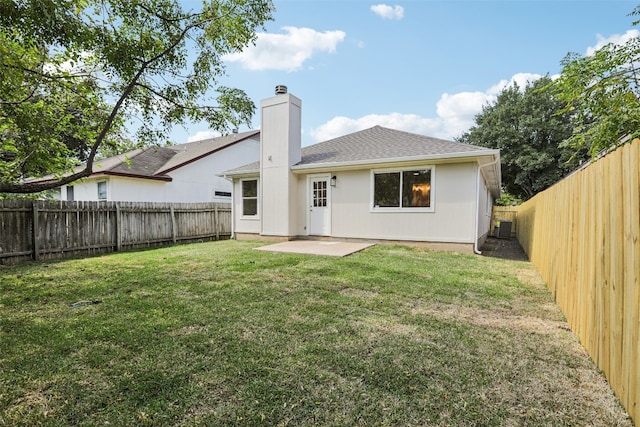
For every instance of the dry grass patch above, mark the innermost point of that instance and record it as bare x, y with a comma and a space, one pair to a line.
492, 318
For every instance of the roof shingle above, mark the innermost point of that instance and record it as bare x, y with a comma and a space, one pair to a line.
156, 162
375, 145
379, 143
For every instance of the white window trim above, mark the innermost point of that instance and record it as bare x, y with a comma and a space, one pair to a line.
106, 189
374, 209
257, 215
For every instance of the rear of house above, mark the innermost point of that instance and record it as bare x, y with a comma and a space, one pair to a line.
376, 184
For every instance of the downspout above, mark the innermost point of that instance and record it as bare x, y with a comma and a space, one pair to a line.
476, 250
233, 211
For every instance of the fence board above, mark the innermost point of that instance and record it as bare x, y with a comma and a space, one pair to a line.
583, 235
631, 372
48, 229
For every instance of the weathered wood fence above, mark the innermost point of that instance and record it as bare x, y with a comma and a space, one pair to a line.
583, 235
53, 229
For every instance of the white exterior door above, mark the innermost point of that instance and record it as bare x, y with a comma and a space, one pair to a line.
319, 206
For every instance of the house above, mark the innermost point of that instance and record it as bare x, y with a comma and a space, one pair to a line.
179, 173
377, 184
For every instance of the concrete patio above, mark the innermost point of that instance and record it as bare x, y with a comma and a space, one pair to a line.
317, 247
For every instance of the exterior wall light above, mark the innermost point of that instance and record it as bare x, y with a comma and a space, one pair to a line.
334, 179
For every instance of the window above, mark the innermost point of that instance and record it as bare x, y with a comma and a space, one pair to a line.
403, 189
102, 190
320, 194
70, 192
249, 197
222, 193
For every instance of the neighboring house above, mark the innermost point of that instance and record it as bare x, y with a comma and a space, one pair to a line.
376, 184
179, 173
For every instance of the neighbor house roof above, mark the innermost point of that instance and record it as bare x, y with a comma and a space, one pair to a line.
156, 162
379, 145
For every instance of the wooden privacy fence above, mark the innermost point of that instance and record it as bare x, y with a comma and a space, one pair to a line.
53, 229
583, 235
504, 213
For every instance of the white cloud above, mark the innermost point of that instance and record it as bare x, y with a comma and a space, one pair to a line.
203, 134
288, 51
455, 114
388, 12
82, 64
618, 39
520, 78
339, 126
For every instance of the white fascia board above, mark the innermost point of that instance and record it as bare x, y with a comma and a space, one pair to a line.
243, 174
356, 164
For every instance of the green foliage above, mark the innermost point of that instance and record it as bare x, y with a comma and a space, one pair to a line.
528, 126
601, 93
507, 199
43, 195
74, 74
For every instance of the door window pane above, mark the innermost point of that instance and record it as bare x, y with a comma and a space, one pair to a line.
319, 194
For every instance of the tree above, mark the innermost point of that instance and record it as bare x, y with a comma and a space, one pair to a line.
528, 127
74, 74
602, 93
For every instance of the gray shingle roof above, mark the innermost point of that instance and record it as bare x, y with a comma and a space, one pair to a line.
156, 162
375, 145
379, 143
185, 153
144, 163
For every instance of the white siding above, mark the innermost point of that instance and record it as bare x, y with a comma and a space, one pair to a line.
244, 224
484, 210
191, 183
280, 149
198, 181
453, 219
86, 189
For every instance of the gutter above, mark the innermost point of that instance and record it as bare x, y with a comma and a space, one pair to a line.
242, 174
374, 162
476, 250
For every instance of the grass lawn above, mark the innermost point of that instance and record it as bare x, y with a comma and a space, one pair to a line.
219, 334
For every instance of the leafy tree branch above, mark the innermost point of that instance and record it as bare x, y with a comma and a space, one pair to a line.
529, 127
601, 92
73, 72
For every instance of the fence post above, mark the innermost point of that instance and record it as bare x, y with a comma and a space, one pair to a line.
173, 224
216, 222
118, 228
36, 246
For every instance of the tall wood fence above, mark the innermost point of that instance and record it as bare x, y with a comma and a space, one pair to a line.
57, 229
504, 213
583, 235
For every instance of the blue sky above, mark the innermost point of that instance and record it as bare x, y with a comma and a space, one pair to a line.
421, 66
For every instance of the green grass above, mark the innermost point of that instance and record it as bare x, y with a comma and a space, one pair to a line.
219, 334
